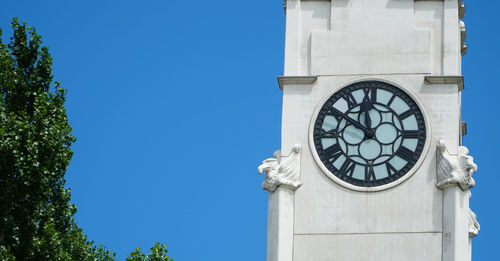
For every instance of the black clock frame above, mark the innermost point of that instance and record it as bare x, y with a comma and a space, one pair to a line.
412, 157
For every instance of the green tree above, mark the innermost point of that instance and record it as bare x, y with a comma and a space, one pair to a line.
157, 253
36, 216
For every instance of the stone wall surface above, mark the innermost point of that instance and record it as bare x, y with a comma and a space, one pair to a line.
371, 247
371, 37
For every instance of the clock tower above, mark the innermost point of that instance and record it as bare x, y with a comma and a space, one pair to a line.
371, 165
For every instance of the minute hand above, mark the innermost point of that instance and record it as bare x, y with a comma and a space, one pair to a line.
355, 123
368, 120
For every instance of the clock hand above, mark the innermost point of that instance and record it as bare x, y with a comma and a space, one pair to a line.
364, 107
351, 120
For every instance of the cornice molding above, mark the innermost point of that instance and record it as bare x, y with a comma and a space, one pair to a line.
282, 170
282, 80
446, 79
454, 170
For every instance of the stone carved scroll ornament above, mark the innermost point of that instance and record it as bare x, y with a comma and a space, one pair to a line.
473, 224
457, 170
454, 169
282, 171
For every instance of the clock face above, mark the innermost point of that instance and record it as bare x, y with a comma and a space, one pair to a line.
369, 133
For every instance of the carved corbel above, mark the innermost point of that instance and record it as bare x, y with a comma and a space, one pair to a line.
473, 224
282, 170
472, 220
454, 169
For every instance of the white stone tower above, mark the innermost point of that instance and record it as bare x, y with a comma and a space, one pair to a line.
371, 165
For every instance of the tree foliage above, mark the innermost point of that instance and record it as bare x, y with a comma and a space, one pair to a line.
36, 216
157, 253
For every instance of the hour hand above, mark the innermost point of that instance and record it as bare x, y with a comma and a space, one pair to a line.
349, 119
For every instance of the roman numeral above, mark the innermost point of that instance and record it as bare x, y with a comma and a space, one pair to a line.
370, 95
391, 170
373, 95
405, 114
391, 100
405, 153
351, 102
347, 168
369, 174
333, 152
410, 134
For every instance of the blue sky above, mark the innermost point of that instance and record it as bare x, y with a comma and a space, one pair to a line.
175, 104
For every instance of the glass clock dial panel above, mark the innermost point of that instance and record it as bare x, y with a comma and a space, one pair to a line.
369, 133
